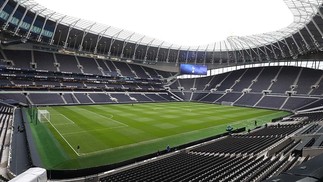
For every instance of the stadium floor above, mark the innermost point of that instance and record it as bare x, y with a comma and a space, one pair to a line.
92, 135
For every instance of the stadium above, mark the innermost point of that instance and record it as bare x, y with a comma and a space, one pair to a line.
83, 101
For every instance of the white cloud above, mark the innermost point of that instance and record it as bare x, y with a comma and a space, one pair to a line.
182, 22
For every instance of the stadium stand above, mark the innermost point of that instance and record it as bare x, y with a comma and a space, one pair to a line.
237, 157
246, 80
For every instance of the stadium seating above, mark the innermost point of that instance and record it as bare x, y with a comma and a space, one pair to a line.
248, 99
61, 79
271, 102
297, 102
269, 87
230, 80
264, 79
286, 78
211, 97
21, 60
232, 158
239, 144
246, 80
307, 78
67, 63
6, 123
89, 65
229, 97
44, 61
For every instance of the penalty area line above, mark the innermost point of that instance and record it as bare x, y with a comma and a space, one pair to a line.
72, 122
65, 139
102, 116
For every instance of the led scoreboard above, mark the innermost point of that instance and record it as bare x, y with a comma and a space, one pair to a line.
193, 69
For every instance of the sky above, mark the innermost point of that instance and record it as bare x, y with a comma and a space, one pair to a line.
181, 22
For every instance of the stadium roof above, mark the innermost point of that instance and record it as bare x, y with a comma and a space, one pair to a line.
302, 10
190, 23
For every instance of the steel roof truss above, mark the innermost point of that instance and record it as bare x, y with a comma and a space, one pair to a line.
100, 35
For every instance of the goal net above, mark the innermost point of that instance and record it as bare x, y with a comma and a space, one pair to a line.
227, 103
43, 116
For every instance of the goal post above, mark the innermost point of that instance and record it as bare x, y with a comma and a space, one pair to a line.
226, 103
43, 116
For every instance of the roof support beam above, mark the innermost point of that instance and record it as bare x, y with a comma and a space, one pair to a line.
205, 52
43, 27
291, 54
177, 57
236, 50
307, 46
32, 24
85, 32
188, 50
147, 48
263, 45
168, 52
228, 55
212, 60
250, 49
70, 28
11, 16
22, 19
113, 39
100, 35
300, 51
317, 27
124, 44
136, 47
279, 47
317, 45
271, 46
57, 22
4, 5
248, 41
158, 50
220, 61
196, 52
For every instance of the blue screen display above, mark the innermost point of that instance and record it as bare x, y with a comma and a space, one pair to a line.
193, 69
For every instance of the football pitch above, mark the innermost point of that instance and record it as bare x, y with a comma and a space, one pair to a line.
92, 135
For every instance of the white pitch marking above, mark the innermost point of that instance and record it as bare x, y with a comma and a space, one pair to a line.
64, 139
77, 132
110, 118
72, 122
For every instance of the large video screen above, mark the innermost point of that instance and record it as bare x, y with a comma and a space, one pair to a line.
193, 69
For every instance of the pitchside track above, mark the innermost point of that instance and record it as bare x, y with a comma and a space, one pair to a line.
87, 136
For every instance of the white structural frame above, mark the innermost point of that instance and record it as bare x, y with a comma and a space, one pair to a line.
303, 11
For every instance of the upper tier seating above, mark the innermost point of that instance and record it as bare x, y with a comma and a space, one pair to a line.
67, 63
230, 80
89, 65
271, 102
246, 79
21, 59
212, 97
248, 99
200, 83
264, 79
307, 78
229, 97
285, 79
44, 61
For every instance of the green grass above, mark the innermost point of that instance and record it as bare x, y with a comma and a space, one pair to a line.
113, 133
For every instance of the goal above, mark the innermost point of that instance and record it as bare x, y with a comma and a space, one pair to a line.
43, 116
226, 103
